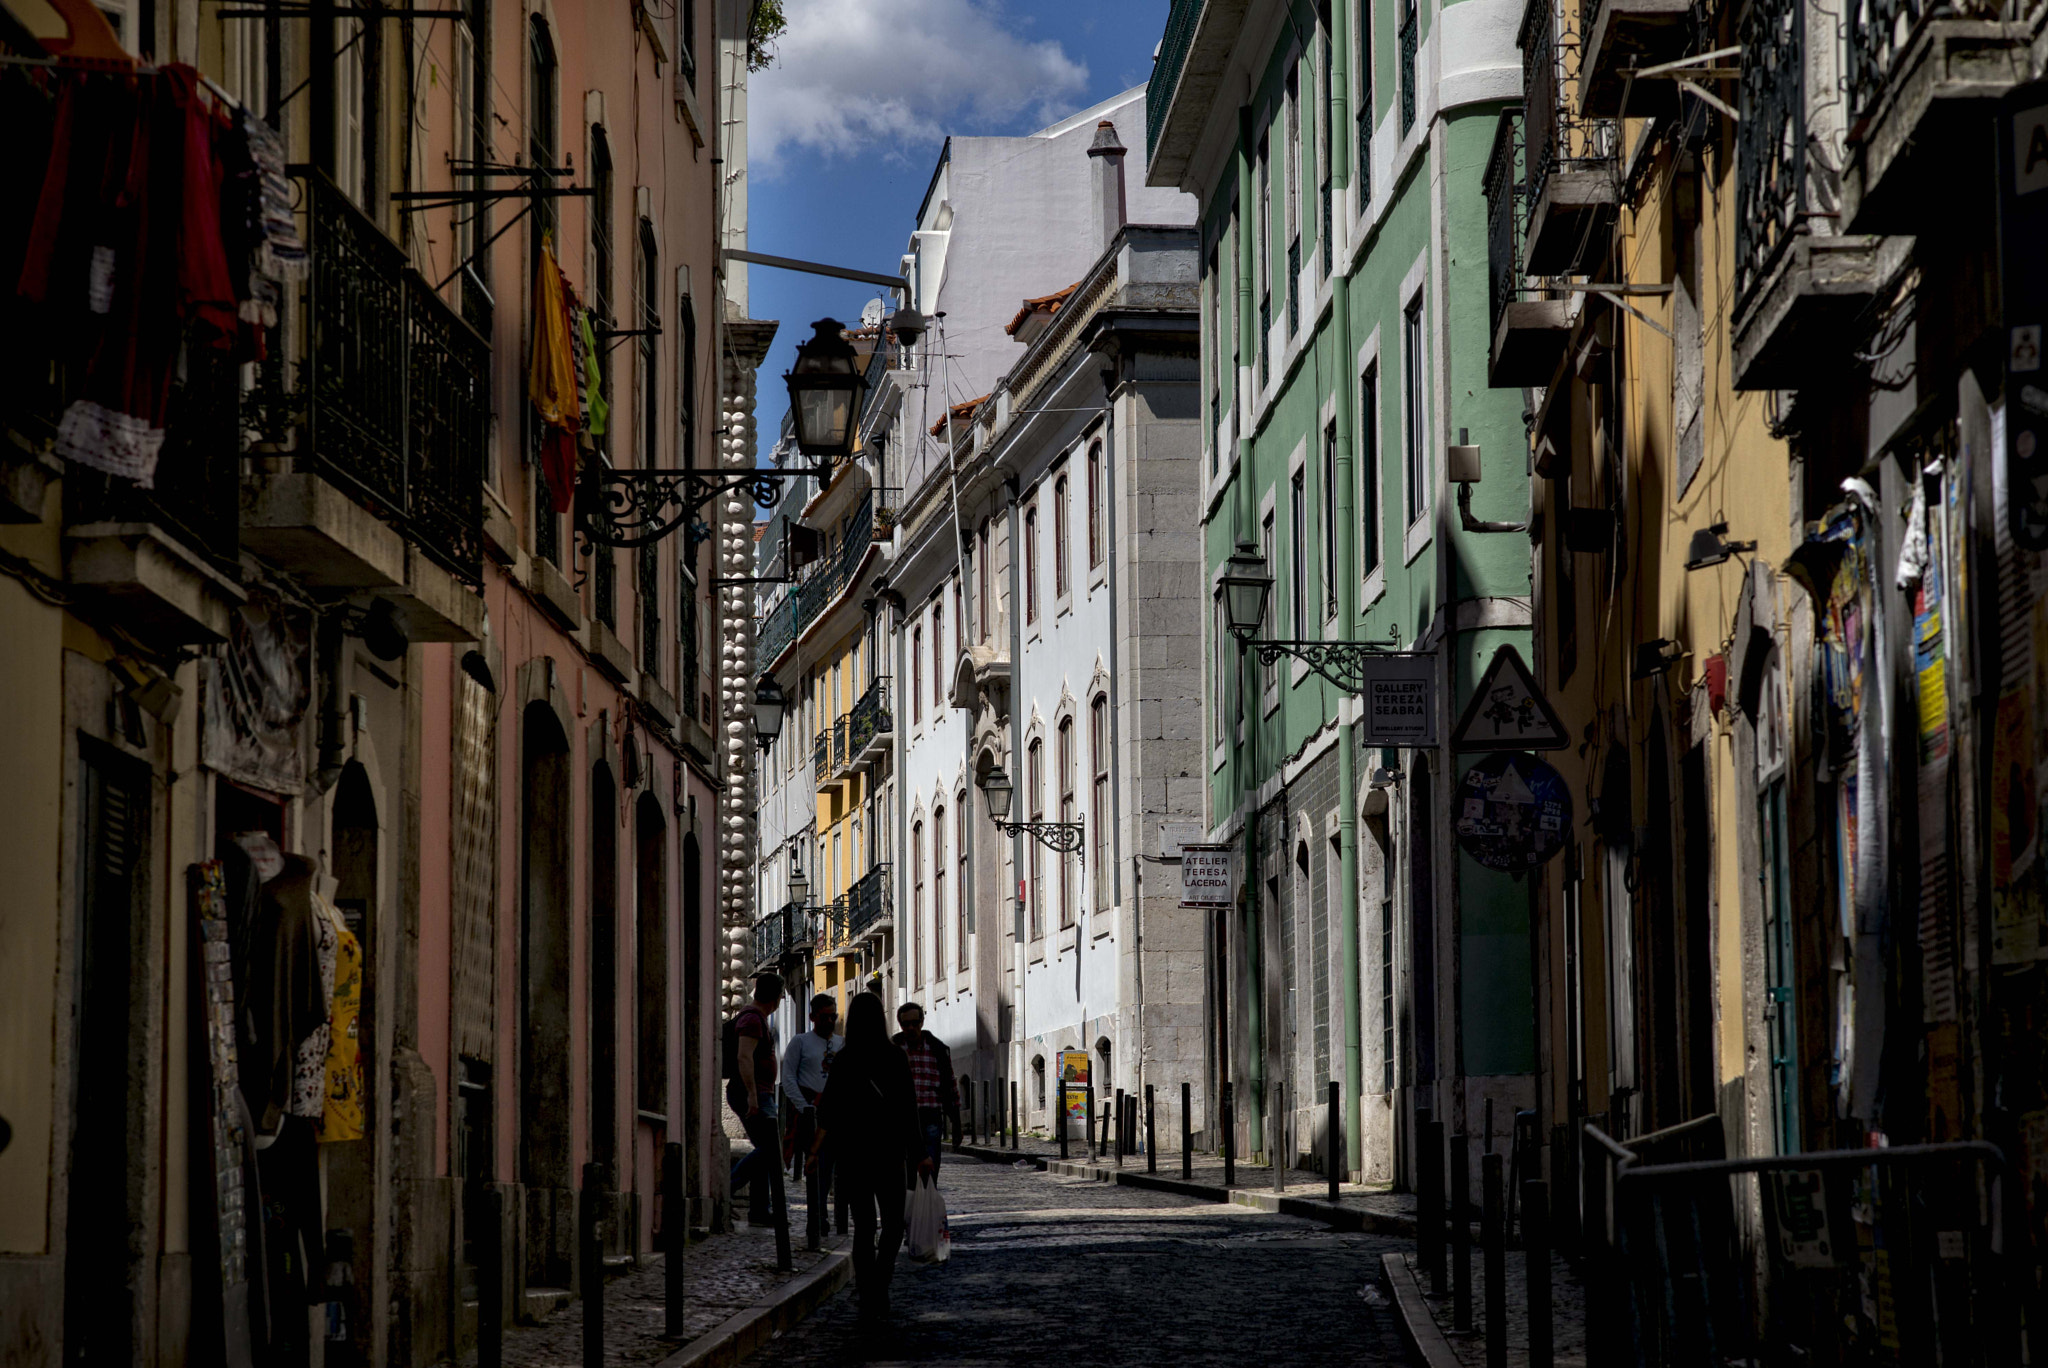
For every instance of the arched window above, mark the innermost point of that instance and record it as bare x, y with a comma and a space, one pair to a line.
938, 655
1094, 505
916, 675
960, 885
915, 951
938, 894
1098, 748
1059, 538
982, 626
1066, 761
1034, 783
1031, 564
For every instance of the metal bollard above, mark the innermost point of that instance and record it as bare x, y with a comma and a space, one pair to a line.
1494, 1235
1335, 1138
1151, 1135
592, 1243
1120, 1127
1229, 1139
1276, 1137
1429, 1181
1061, 1120
778, 1194
1088, 1121
1536, 1251
1461, 1232
490, 1278
1015, 1129
1187, 1132
675, 1237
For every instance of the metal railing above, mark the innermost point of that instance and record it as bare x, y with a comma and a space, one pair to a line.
870, 718
842, 754
1411, 42
821, 754
1866, 1255
1558, 137
771, 937
1770, 140
867, 902
1504, 218
396, 385
1181, 21
801, 606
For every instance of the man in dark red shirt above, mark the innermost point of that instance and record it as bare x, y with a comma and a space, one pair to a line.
750, 1069
931, 1075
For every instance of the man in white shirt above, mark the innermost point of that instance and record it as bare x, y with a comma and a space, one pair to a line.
804, 1068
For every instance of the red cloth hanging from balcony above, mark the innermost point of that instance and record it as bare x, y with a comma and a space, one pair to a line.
551, 378
126, 248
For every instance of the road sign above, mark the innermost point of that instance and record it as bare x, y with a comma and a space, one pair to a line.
1507, 711
1208, 875
1398, 703
1512, 812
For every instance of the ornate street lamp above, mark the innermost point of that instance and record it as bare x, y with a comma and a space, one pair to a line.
1243, 589
1065, 837
799, 886
636, 507
825, 389
769, 707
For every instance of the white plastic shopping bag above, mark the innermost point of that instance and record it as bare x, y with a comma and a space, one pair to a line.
930, 1239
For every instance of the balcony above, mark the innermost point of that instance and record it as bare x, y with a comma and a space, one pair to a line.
821, 755
1925, 80
1186, 79
781, 934
1569, 160
1628, 35
168, 556
1528, 331
871, 726
869, 910
1797, 287
799, 608
384, 487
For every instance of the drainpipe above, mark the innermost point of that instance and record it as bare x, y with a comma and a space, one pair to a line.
1247, 509
1116, 803
1347, 606
1022, 945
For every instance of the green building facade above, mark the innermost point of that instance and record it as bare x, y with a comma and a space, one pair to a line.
1337, 151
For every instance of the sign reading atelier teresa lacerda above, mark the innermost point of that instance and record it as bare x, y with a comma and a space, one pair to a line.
1513, 812
1398, 705
1208, 875
1507, 711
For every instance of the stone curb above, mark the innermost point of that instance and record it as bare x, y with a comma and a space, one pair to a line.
1418, 1326
1350, 1219
739, 1335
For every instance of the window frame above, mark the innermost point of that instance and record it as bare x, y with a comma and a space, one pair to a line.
1064, 757
1098, 740
1031, 564
1062, 571
1415, 465
1095, 502
1034, 772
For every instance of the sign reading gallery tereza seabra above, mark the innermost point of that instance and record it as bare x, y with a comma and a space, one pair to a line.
1398, 707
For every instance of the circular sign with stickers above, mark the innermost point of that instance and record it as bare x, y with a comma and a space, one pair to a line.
1513, 811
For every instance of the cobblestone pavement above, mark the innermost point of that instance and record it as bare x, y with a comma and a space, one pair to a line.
1568, 1318
1067, 1271
722, 1275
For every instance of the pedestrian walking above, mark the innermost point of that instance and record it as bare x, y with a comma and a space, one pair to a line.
931, 1075
868, 1118
749, 1067
805, 1066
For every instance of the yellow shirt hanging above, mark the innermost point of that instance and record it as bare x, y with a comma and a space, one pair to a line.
342, 1116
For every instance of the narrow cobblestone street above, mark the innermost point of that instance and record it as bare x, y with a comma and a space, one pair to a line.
1062, 1270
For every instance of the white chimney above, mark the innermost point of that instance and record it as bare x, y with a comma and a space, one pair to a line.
1107, 173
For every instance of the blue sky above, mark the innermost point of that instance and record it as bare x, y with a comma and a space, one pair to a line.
846, 128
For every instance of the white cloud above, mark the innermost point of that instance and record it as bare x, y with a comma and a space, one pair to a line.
852, 74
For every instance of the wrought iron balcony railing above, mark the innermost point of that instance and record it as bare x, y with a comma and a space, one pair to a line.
1411, 42
867, 902
871, 719
1181, 20
842, 754
1770, 140
801, 606
1504, 181
1558, 137
821, 754
396, 385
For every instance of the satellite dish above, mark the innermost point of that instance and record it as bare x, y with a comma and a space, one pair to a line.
871, 314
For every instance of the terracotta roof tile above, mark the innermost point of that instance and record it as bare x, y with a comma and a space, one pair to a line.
1051, 304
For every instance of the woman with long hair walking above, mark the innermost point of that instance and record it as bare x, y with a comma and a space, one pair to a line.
868, 1114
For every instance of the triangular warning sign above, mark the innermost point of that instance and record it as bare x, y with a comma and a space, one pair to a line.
1507, 711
